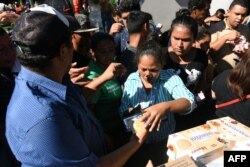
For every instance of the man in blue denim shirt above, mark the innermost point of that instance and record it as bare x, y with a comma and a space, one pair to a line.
119, 30
47, 122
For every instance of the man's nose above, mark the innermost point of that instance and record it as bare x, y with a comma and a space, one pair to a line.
179, 43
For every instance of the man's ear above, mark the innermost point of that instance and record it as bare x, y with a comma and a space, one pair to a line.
145, 27
62, 52
227, 11
73, 36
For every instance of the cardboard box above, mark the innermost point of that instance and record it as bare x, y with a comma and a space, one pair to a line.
184, 161
230, 128
199, 142
229, 131
207, 142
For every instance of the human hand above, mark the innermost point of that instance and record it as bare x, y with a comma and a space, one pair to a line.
116, 27
152, 117
211, 19
77, 74
241, 46
141, 133
8, 17
233, 36
240, 50
114, 70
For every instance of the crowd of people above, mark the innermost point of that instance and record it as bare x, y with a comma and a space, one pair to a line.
71, 73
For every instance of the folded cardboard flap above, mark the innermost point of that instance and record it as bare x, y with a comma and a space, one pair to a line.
184, 161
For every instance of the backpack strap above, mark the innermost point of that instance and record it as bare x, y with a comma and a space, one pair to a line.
230, 102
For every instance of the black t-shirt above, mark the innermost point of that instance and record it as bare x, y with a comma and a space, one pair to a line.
239, 111
191, 73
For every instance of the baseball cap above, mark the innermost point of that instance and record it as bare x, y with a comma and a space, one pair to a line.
79, 23
40, 30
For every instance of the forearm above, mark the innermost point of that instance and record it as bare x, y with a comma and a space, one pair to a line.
180, 105
120, 156
90, 89
217, 45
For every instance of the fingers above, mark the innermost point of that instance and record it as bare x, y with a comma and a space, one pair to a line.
77, 78
145, 116
151, 121
116, 27
73, 72
82, 83
73, 64
159, 124
154, 124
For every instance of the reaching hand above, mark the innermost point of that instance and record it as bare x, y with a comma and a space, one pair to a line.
114, 70
153, 116
77, 74
141, 134
233, 35
8, 17
116, 27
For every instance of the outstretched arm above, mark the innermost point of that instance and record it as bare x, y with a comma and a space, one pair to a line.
155, 113
114, 70
219, 42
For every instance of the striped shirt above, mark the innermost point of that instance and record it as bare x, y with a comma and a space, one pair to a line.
168, 87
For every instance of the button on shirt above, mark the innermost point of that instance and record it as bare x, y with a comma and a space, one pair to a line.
167, 87
48, 124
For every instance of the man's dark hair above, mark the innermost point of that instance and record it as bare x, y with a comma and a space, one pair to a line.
202, 33
199, 4
187, 21
220, 11
136, 20
242, 3
129, 5
182, 12
98, 37
39, 36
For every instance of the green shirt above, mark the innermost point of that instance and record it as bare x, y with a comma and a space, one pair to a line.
106, 102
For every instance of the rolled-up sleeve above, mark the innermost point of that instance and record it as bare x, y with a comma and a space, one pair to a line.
178, 90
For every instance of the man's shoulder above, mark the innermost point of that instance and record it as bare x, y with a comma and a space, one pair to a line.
128, 51
217, 26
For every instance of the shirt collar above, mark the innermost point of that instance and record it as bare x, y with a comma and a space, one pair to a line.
131, 48
228, 27
58, 88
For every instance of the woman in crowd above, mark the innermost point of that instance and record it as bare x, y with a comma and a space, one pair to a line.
107, 100
158, 93
231, 89
189, 63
